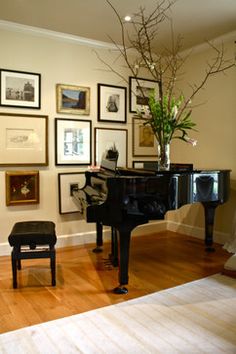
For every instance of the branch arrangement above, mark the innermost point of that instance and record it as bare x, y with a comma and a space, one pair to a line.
169, 117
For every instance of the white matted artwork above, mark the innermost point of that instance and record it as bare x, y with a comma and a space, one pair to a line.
72, 141
23, 139
112, 103
106, 139
66, 183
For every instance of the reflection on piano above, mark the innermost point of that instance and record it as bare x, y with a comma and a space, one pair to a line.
125, 198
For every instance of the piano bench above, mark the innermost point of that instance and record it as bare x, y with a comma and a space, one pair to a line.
30, 240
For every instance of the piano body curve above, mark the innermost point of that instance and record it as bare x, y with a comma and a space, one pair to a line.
126, 198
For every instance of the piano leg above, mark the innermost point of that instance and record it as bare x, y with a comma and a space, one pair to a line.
209, 210
99, 241
114, 247
124, 245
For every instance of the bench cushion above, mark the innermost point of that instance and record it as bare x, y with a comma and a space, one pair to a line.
33, 233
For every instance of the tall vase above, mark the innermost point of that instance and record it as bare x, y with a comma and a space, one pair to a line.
163, 157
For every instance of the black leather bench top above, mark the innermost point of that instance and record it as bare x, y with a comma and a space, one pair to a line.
36, 232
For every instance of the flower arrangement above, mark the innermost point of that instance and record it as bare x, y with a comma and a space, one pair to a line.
167, 120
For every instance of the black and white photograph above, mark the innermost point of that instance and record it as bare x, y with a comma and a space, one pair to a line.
112, 103
20, 89
73, 141
68, 181
139, 92
111, 143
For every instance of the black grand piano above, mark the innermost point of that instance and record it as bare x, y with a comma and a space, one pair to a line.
125, 198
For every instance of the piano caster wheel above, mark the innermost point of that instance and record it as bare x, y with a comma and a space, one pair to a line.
119, 290
98, 249
209, 249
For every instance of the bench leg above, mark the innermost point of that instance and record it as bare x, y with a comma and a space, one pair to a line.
53, 266
14, 267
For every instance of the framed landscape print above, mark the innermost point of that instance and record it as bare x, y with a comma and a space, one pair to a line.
22, 187
66, 183
72, 141
107, 139
20, 89
23, 139
73, 99
112, 103
144, 141
139, 92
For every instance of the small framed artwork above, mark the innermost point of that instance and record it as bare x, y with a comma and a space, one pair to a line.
22, 187
72, 141
144, 141
140, 91
112, 103
23, 140
73, 99
20, 89
66, 183
107, 140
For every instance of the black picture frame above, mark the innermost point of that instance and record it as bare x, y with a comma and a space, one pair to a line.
67, 181
112, 103
20, 89
136, 101
73, 139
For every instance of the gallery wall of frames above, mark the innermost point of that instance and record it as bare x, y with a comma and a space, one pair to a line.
25, 137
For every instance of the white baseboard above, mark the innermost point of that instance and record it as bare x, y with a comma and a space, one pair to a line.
198, 232
154, 226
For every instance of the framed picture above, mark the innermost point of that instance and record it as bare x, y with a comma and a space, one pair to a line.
144, 141
66, 183
72, 141
73, 99
23, 140
107, 139
139, 92
20, 89
22, 187
112, 103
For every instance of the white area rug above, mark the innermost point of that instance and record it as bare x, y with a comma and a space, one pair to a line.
197, 317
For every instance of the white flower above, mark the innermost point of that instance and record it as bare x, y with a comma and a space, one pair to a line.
175, 112
193, 142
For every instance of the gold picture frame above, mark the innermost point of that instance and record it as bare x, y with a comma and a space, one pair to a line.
22, 187
73, 99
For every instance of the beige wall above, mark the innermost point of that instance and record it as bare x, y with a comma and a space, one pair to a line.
69, 63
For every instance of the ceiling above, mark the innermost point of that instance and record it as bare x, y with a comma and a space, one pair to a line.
196, 20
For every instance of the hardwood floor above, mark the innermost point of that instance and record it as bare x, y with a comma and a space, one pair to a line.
85, 280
